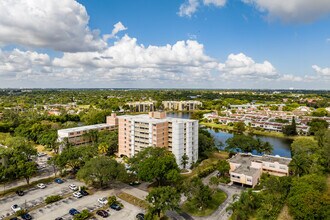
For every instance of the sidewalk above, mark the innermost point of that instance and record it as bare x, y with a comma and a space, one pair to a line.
22, 182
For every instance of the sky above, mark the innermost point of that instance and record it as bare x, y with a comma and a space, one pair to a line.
225, 44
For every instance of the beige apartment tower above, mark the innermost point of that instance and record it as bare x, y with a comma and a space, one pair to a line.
136, 132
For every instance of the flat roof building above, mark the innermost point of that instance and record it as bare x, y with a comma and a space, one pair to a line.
181, 105
145, 106
247, 168
136, 132
77, 135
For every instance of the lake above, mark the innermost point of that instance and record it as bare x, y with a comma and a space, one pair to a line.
281, 145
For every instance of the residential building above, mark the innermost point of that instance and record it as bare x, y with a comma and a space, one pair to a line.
136, 132
246, 169
141, 106
181, 105
78, 135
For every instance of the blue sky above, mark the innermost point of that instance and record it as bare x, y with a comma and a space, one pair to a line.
232, 44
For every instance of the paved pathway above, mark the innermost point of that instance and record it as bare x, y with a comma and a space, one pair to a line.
220, 213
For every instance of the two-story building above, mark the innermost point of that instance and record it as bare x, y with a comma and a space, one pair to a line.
246, 169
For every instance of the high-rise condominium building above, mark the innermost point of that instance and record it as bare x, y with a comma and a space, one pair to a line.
136, 132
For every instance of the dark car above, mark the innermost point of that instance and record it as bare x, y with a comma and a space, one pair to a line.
140, 216
59, 181
102, 213
84, 192
73, 212
20, 192
26, 216
59, 218
115, 207
13, 218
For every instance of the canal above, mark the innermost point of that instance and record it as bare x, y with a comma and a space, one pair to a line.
281, 146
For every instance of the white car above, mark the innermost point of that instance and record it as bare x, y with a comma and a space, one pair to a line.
73, 187
103, 200
41, 186
77, 194
41, 154
16, 208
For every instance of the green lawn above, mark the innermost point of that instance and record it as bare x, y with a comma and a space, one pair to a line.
217, 199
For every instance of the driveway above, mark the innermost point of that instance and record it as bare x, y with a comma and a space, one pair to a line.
221, 213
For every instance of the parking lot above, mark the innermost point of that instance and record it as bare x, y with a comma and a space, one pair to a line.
34, 196
61, 208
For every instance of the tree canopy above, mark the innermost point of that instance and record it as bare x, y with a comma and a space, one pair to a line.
155, 163
101, 170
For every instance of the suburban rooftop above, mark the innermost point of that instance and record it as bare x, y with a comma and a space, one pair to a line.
84, 128
246, 159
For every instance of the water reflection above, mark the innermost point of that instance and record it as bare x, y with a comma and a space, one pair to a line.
281, 145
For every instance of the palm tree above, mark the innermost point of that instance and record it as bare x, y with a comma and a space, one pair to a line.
299, 165
184, 160
103, 148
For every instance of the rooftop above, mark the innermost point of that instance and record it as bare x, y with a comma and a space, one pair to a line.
246, 159
246, 170
147, 119
84, 128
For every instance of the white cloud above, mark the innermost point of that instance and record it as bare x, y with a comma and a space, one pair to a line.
239, 66
61, 25
185, 60
322, 72
291, 78
125, 62
188, 8
218, 3
116, 29
300, 11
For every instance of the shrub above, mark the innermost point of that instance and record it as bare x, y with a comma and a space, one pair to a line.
51, 199
206, 172
21, 212
85, 214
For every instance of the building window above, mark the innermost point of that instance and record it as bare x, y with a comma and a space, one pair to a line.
271, 165
282, 168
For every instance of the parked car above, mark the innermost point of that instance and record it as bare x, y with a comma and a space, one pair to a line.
59, 218
134, 183
73, 211
20, 192
16, 208
41, 154
103, 200
26, 216
14, 218
73, 187
41, 186
115, 207
77, 194
84, 192
59, 181
102, 213
140, 216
